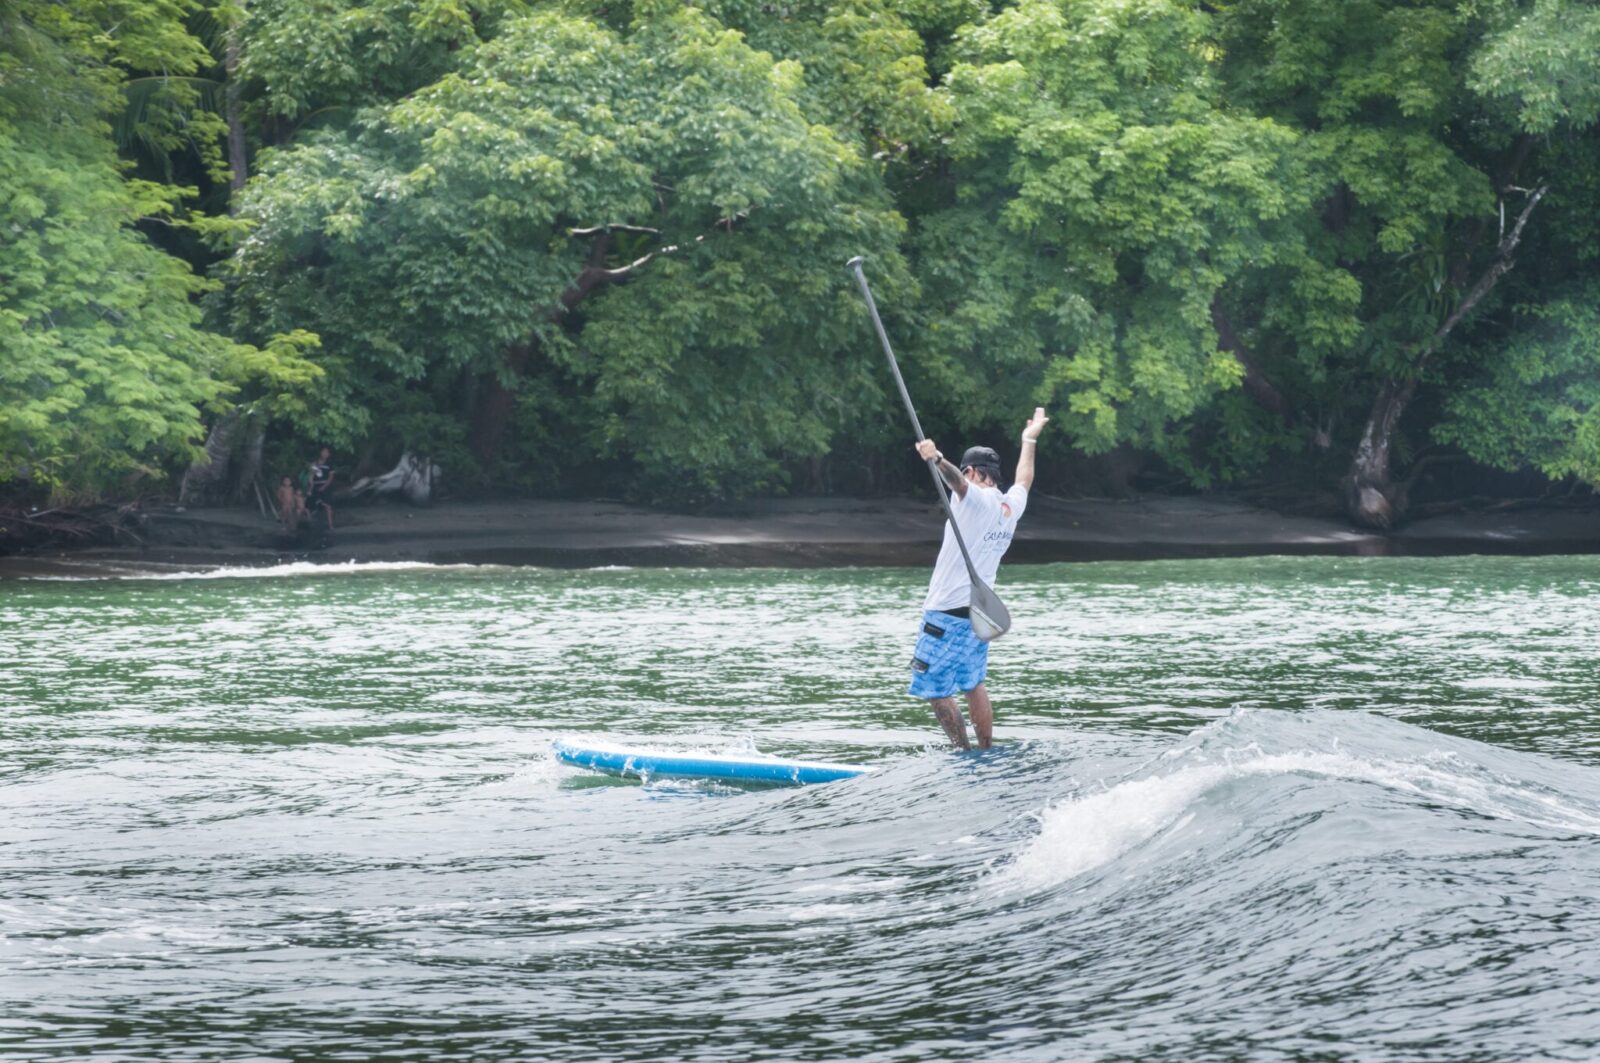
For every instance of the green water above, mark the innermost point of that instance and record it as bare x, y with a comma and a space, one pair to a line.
1263, 808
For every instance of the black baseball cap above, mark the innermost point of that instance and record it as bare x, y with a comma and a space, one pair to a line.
984, 459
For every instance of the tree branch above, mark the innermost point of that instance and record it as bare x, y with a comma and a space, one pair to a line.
595, 274
614, 227
1498, 268
591, 276
1256, 385
622, 273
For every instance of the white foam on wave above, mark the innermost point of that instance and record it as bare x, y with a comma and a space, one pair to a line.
534, 775
1081, 834
739, 750
295, 568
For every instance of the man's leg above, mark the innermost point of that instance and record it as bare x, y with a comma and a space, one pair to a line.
982, 715
950, 719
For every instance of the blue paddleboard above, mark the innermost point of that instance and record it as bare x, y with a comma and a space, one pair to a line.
749, 768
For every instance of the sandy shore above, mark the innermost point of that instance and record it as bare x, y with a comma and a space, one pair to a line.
795, 533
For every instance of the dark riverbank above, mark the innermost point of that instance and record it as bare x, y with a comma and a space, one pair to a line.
793, 533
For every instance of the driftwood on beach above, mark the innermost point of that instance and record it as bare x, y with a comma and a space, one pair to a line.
76, 526
412, 477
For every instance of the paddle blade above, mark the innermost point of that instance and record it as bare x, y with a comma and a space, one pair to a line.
989, 615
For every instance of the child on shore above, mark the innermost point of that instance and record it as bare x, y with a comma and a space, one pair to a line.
288, 508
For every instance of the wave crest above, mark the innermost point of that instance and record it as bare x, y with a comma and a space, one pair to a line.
1245, 764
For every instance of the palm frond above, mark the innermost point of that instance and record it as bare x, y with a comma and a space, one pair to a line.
134, 128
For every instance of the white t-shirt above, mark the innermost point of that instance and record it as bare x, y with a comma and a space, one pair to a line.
988, 519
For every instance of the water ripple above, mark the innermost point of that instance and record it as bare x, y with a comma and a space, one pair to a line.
1291, 809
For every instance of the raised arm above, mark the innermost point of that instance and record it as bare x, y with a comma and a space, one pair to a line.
1030, 440
952, 475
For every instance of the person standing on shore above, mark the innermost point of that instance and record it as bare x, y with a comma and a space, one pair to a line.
949, 656
319, 486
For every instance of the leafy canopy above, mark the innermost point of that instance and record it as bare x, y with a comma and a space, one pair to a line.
106, 368
566, 157
1103, 194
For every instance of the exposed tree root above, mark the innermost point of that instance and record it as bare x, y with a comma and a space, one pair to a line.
101, 524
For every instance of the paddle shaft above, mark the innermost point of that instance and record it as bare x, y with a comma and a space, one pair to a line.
916, 425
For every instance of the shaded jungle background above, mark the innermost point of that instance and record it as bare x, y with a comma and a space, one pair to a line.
1340, 258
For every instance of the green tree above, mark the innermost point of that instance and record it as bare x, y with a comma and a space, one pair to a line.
1526, 396
1099, 199
1541, 61
1227, 234
305, 57
663, 180
1536, 400
105, 368
1424, 200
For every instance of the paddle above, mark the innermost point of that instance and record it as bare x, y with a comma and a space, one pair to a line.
990, 618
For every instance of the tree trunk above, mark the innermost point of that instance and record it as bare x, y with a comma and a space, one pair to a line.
492, 409
492, 406
1371, 496
238, 164
244, 479
1256, 384
816, 475
201, 480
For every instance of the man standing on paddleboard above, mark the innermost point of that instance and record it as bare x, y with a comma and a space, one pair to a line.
949, 657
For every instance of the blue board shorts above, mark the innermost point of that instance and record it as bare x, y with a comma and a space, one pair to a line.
949, 657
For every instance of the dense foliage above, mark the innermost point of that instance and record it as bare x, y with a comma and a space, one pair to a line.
585, 247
